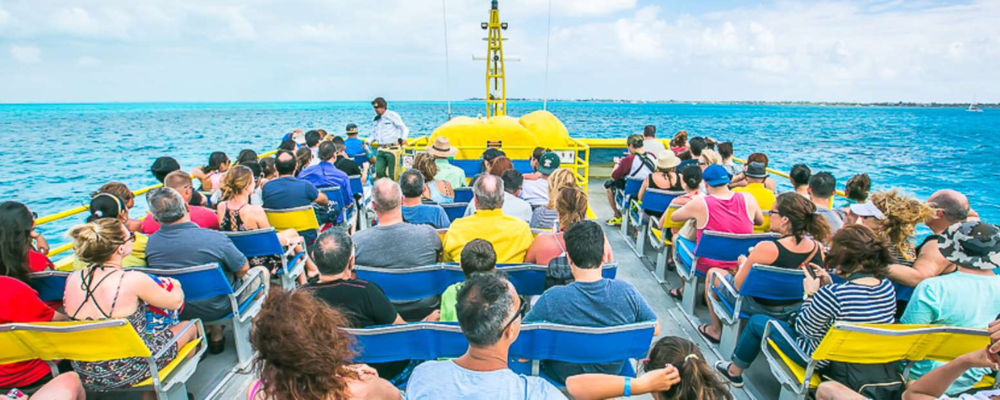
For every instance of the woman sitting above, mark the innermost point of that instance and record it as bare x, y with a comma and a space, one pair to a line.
795, 218
860, 257
304, 354
18, 256
571, 206
303, 159
436, 190
106, 205
18, 301
126, 196
104, 291
690, 178
236, 214
546, 217
898, 224
664, 178
211, 174
679, 143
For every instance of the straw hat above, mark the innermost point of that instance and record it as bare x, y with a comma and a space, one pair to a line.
441, 148
667, 159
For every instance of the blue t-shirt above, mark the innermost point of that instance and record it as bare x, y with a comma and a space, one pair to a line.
288, 192
433, 380
354, 146
427, 214
955, 299
607, 302
325, 174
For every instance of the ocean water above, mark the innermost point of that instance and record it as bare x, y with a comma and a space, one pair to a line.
53, 156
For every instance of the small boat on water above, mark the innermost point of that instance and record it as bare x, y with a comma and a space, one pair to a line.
973, 108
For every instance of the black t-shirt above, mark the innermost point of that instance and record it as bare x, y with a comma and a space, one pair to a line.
347, 165
363, 302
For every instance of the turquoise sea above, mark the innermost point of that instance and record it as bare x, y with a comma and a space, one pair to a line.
54, 155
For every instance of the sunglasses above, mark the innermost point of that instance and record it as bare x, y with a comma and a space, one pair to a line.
520, 314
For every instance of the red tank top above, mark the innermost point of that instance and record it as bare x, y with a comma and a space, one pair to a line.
725, 216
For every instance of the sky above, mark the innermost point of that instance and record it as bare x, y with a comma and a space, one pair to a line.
305, 50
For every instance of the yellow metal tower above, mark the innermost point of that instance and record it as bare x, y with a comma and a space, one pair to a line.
496, 82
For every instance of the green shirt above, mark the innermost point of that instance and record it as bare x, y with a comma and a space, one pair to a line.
448, 301
450, 173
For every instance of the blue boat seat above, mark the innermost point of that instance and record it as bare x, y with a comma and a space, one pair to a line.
721, 246
455, 210
264, 242
654, 202
463, 195
762, 281
50, 285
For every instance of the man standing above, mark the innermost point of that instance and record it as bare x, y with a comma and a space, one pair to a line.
389, 132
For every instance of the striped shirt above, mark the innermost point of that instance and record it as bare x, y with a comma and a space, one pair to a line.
843, 302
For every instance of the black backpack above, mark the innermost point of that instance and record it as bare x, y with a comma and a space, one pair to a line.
874, 381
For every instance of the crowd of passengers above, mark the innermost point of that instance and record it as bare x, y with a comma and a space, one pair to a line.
302, 354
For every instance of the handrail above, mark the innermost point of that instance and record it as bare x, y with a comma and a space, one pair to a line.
73, 211
784, 175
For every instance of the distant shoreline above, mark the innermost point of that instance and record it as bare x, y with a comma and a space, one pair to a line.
764, 103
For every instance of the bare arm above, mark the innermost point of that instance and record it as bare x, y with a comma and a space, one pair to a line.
763, 253
692, 210
933, 385
603, 386
322, 200
753, 209
150, 292
642, 189
929, 263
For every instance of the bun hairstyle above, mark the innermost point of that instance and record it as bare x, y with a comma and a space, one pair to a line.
802, 217
235, 181
105, 205
95, 242
698, 380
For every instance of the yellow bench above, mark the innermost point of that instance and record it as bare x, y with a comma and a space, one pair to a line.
868, 344
101, 341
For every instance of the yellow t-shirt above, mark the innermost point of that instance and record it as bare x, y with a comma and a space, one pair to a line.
765, 199
510, 236
135, 259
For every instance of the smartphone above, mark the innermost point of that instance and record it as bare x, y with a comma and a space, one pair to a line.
810, 271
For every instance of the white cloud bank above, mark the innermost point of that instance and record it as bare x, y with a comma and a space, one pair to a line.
314, 49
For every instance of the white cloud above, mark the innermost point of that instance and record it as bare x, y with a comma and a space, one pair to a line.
26, 54
4, 16
88, 61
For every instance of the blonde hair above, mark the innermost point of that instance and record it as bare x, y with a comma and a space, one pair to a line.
95, 242
902, 214
571, 206
559, 179
711, 157
424, 163
235, 181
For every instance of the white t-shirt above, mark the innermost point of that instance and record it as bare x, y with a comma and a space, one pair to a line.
535, 192
653, 146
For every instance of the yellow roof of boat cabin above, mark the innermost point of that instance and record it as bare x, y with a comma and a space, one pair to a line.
517, 137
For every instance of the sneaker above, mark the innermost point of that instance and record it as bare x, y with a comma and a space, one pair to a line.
616, 221
723, 368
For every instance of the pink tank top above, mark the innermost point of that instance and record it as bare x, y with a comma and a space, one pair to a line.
725, 216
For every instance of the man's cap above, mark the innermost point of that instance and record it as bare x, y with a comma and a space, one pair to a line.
548, 163
351, 128
715, 175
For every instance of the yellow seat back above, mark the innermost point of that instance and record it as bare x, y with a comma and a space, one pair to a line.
298, 218
667, 223
71, 340
881, 343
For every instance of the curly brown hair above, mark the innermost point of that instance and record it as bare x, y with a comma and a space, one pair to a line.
118, 189
858, 187
500, 165
856, 248
303, 353
902, 214
698, 380
424, 163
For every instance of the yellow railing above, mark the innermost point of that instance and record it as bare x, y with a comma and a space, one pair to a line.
77, 210
784, 175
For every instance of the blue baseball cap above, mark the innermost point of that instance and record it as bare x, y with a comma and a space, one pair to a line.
715, 175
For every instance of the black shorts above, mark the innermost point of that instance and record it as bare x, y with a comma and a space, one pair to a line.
615, 184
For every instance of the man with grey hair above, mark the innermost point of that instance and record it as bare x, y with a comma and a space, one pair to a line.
180, 243
509, 236
201, 216
489, 312
394, 243
950, 208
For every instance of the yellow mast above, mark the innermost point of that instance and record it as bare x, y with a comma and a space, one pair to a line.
496, 82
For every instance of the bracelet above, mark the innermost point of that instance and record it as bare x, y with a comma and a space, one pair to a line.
628, 386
